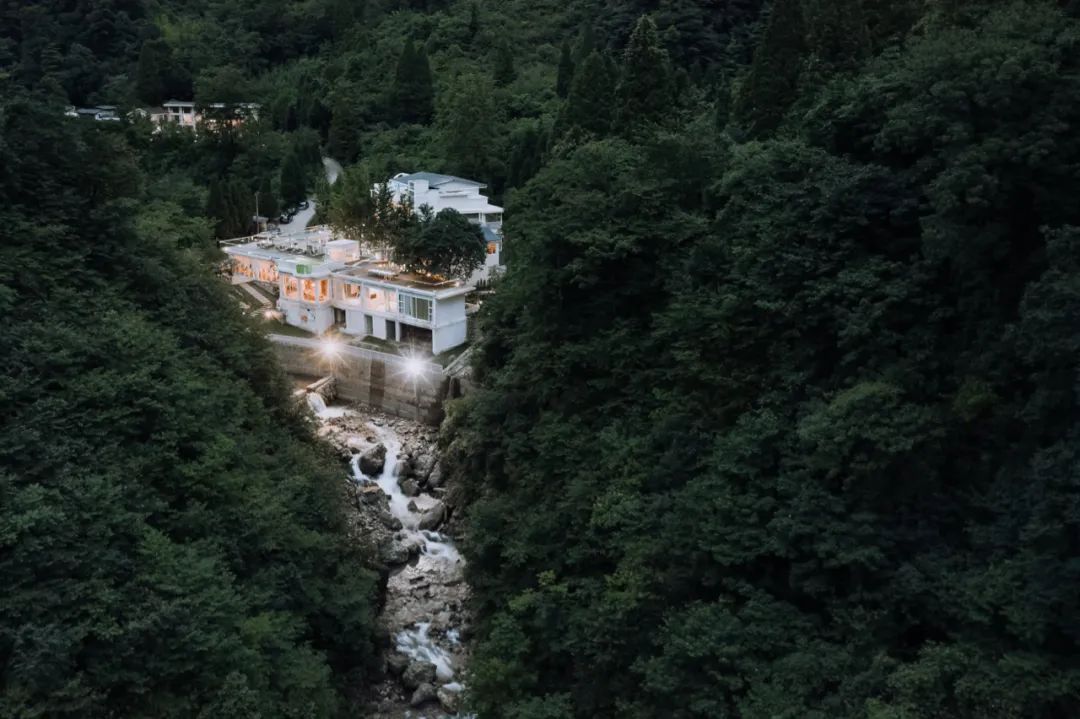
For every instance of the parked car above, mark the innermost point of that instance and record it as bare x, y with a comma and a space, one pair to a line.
285, 217
303, 205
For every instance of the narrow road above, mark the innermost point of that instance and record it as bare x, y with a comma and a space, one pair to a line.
303, 217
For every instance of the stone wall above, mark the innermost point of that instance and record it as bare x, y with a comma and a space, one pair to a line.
375, 378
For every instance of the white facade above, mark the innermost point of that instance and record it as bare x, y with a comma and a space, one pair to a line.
185, 114
440, 192
324, 283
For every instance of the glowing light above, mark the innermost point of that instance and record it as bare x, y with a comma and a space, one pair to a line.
414, 367
268, 314
331, 348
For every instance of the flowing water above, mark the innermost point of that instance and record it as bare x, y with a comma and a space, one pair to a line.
425, 597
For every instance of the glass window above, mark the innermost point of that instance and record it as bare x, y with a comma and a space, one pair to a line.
324, 290
292, 287
350, 291
416, 307
309, 290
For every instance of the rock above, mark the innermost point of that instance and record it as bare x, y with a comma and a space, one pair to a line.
435, 479
433, 517
423, 694
412, 506
410, 487
393, 553
418, 673
389, 521
421, 465
403, 467
373, 460
373, 495
450, 700
396, 664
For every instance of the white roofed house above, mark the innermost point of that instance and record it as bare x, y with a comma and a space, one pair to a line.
325, 284
186, 114
440, 192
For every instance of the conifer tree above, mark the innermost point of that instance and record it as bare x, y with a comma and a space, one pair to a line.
268, 203
292, 183
217, 207
836, 32
592, 95
769, 88
474, 20
504, 72
342, 138
150, 72
566, 71
587, 43
645, 92
412, 97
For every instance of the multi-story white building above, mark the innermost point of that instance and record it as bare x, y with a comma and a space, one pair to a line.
439, 192
324, 283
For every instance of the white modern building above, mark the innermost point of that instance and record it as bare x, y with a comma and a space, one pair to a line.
325, 283
186, 114
439, 192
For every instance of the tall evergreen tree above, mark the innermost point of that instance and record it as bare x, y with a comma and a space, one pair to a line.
645, 92
267, 201
292, 185
586, 43
503, 72
343, 134
412, 96
474, 20
589, 105
566, 71
150, 71
769, 88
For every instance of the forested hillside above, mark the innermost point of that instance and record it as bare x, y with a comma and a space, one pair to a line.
172, 538
779, 412
776, 410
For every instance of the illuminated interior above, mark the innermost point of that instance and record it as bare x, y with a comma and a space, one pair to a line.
292, 287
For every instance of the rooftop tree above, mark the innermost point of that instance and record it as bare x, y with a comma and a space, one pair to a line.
446, 245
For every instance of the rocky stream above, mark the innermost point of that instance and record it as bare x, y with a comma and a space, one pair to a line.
405, 517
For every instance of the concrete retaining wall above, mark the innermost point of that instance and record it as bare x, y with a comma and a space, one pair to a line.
375, 378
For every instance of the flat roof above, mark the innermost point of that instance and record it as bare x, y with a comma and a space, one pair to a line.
366, 270
434, 179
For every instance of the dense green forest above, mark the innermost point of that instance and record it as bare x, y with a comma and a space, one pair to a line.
776, 409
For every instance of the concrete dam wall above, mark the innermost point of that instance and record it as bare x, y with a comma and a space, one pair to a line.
410, 389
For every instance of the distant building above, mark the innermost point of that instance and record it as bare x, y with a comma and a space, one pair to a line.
187, 114
99, 113
439, 192
325, 283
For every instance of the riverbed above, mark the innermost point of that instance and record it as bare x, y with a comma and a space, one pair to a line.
424, 614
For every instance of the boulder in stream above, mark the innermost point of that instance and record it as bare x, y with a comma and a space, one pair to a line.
433, 517
373, 460
396, 663
417, 674
435, 479
422, 464
450, 700
394, 553
409, 487
424, 693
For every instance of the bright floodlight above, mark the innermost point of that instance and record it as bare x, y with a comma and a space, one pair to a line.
414, 367
330, 348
